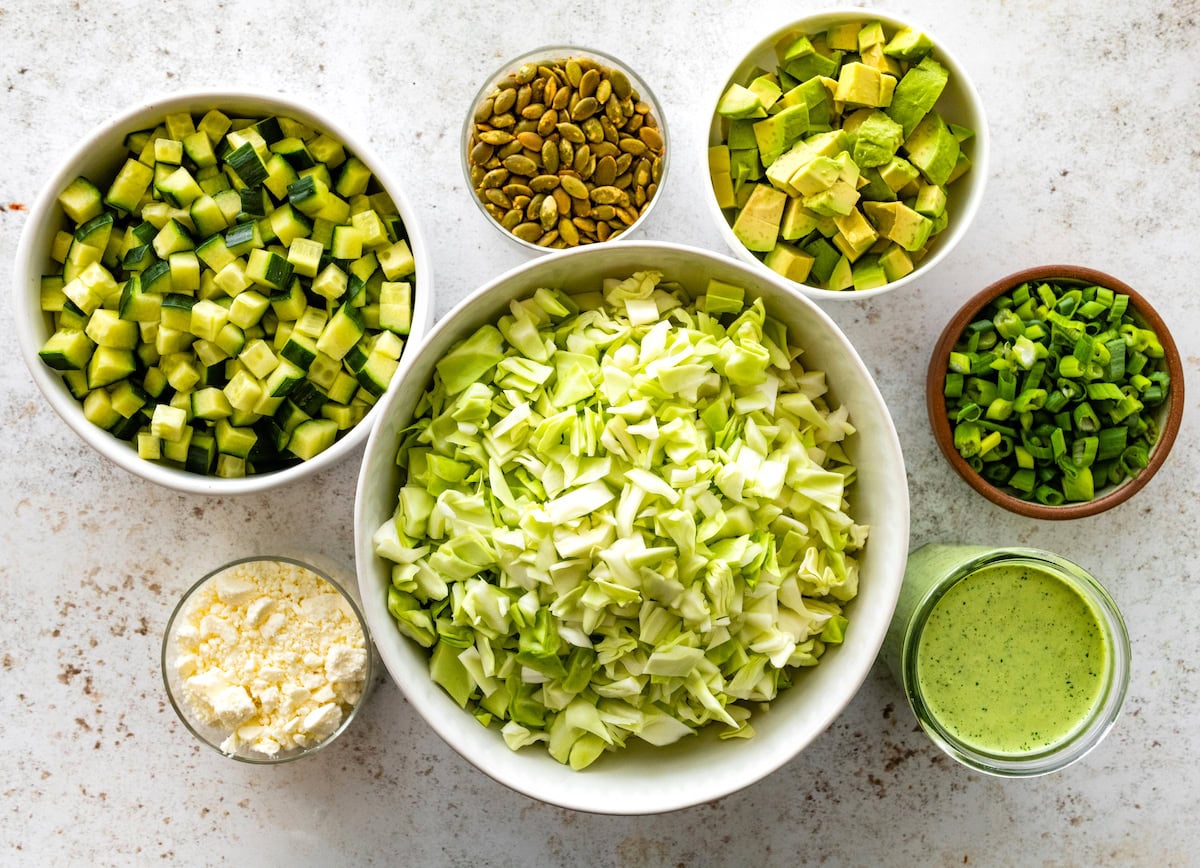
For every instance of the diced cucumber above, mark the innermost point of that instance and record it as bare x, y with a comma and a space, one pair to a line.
200, 292
81, 200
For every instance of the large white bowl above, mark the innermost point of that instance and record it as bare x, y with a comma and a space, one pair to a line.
959, 103
644, 779
98, 156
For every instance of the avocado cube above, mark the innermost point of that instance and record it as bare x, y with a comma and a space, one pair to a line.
744, 166
780, 171
722, 185
909, 45
896, 262
859, 84
898, 173
875, 189
741, 135
960, 167
798, 221
870, 34
828, 144
790, 261
875, 58
842, 276
825, 257
740, 102
898, 222
843, 37
775, 134
766, 88
876, 140
917, 93
757, 224
718, 159
818, 174
867, 273
857, 233
931, 200
837, 200
803, 60
932, 148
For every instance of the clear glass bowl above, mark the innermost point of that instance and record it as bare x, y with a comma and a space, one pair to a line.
215, 736
933, 570
563, 53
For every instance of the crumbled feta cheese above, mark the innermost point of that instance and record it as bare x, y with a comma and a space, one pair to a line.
270, 655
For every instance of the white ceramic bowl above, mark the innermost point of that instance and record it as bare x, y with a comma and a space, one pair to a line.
642, 779
98, 156
959, 103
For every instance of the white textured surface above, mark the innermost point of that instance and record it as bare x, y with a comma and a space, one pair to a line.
1092, 109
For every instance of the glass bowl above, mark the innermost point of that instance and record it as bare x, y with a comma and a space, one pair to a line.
261, 677
629, 212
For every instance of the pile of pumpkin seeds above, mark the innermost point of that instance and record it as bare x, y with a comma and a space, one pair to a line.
565, 152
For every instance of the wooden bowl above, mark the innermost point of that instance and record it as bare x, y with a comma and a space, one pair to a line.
1168, 414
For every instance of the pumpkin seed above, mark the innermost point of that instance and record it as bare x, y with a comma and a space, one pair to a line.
504, 101
484, 110
620, 83
495, 178
482, 152
511, 218
571, 133
568, 232
603, 91
547, 123
588, 82
544, 183
504, 120
606, 171
548, 213
652, 138
585, 108
632, 146
561, 201
526, 73
532, 141
533, 111
530, 232
574, 72
574, 187
495, 137
519, 164
550, 156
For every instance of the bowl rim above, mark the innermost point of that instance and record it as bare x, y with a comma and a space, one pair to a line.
323, 572
577, 798
31, 252
978, 175
564, 51
943, 435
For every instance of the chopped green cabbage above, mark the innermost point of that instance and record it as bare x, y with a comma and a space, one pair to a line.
624, 514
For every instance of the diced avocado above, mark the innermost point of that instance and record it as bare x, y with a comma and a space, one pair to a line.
741, 135
855, 235
766, 88
780, 171
718, 159
859, 84
875, 189
842, 275
901, 224
931, 200
868, 273
898, 173
896, 262
847, 169
909, 45
825, 257
876, 140
917, 93
798, 221
722, 185
757, 224
875, 58
802, 60
843, 37
960, 167
744, 166
961, 133
776, 133
870, 34
818, 174
932, 148
740, 102
838, 199
790, 261
828, 144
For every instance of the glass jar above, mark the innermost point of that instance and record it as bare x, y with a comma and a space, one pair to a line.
1014, 661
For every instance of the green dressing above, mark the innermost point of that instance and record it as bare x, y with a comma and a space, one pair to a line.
1012, 660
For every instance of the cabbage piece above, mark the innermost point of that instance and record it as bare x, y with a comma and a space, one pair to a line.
624, 513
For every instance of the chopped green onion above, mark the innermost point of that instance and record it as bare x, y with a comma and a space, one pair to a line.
1088, 430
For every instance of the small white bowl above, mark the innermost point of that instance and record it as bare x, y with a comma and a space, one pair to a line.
959, 103
641, 779
98, 156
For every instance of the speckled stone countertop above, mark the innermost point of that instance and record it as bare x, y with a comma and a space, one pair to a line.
1095, 127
